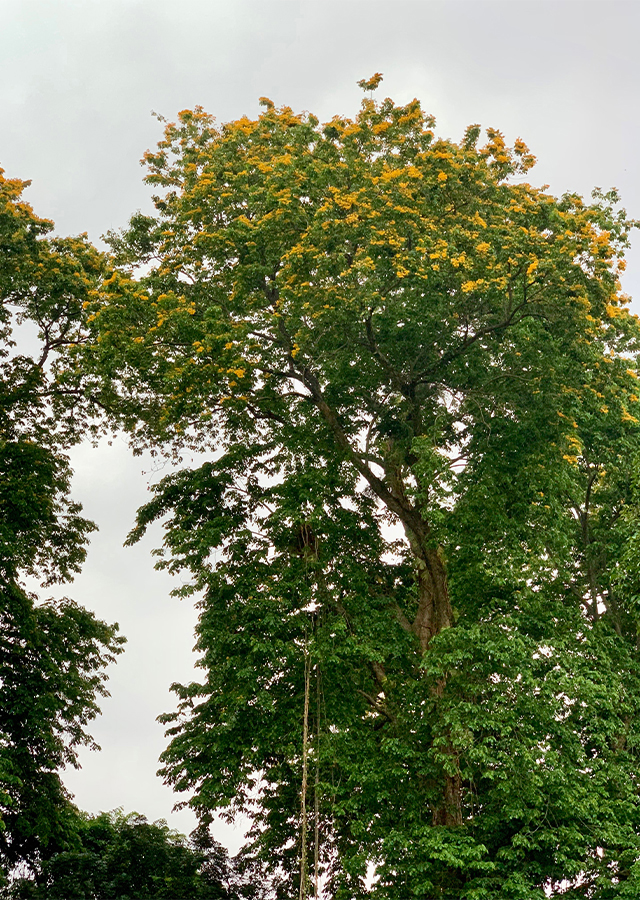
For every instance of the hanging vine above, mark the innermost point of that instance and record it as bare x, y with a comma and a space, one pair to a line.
305, 758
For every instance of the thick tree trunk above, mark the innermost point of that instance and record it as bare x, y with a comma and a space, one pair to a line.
434, 606
450, 813
434, 614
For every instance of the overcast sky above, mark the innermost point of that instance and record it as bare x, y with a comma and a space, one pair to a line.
78, 82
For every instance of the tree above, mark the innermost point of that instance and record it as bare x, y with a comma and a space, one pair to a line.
124, 856
52, 653
414, 538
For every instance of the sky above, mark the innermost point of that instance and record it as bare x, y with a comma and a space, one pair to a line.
78, 84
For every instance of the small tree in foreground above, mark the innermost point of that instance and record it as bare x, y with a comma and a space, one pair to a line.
117, 856
415, 538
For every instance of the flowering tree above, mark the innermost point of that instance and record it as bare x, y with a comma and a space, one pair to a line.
52, 654
414, 540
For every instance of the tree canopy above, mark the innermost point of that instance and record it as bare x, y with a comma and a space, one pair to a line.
118, 856
414, 540
52, 653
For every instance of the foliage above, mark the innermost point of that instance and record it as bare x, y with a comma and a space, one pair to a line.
415, 376
51, 661
52, 654
120, 856
44, 282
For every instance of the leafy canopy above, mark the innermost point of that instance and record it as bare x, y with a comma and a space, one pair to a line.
52, 654
125, 857
414, 374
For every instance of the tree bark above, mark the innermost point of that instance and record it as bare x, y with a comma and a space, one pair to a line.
434, 606
450, 813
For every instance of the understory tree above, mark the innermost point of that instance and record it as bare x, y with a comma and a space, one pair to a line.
414, 540
52, 653
118, 856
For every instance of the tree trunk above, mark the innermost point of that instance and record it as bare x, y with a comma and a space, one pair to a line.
433, 616
434, 606
450, 813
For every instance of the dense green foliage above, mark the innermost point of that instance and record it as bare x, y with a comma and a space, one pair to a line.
114, 856
52, 654
414, 542
51, 657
